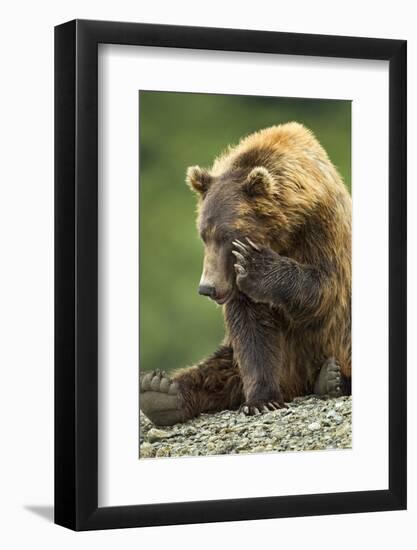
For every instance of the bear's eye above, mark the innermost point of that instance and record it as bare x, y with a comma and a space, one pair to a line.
222, 237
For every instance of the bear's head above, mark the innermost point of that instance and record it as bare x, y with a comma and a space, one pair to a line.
278, 188
239, 203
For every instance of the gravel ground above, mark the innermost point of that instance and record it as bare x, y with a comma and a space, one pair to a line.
308, 424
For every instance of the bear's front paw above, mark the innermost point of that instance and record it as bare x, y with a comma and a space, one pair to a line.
250, 408
254, 269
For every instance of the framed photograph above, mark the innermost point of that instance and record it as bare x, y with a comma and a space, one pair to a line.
230, 275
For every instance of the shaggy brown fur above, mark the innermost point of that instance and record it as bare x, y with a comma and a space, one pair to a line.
275, 218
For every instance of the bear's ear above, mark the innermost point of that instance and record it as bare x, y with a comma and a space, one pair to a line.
259, 182
198, 179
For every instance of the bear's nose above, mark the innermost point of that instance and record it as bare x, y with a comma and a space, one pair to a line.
207, 290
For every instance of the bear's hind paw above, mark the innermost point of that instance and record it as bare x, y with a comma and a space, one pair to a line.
160, 399
329, 380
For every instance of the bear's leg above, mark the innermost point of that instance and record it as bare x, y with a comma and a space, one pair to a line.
255, 334
213, 385
330, 381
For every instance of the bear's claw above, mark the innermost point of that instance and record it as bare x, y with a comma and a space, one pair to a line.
260, 407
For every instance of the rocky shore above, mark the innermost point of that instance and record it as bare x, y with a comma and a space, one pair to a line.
308, 424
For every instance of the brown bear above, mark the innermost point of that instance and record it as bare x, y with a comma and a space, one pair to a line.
275, 219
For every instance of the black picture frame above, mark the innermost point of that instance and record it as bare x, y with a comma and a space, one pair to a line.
76, 272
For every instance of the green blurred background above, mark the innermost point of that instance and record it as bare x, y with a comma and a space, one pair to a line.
177, 326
